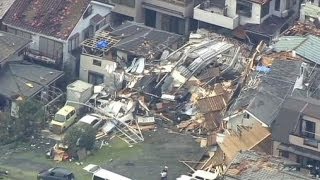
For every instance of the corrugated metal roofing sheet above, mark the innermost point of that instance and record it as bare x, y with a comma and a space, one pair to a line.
310, 48
311, 10
288, 43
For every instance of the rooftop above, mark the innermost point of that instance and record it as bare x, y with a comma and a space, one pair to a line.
55, 18
246, 138
26, 79
275, 86
141, 40
288, 117
305, 46
10, 44
255, 165
4, 7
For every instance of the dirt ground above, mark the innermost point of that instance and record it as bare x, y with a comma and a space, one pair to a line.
143, 161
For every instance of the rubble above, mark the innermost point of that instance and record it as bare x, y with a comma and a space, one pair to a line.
188, 89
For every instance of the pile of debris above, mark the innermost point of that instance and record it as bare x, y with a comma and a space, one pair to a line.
187, 90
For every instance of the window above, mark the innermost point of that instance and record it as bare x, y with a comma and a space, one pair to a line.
284, 154
308, 129
50, 48
95, 78
73, 42
96, 62
244, 8
265, 9
19, 33
277, 5
88, 12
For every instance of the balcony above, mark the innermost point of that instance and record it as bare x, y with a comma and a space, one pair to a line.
308, 143
215, 16
179, 8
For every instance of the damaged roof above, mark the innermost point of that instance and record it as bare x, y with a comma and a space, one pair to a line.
245, 139
11, 44
55, 18
256, 165
4, 7
210, 104
26, 79
307, 47
142, 40
272, 91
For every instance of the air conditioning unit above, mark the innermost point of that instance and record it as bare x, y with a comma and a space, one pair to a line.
285, 13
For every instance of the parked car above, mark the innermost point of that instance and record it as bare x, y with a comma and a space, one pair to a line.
94, 120
63, 119
57, 173
99, 173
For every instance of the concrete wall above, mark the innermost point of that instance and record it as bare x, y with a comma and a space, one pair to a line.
255, 15
299, 141
86, 65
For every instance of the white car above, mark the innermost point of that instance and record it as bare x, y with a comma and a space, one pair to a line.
94, 120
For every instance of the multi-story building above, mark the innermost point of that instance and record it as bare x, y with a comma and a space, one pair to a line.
296, 131
170, 15
56, 27
263, 18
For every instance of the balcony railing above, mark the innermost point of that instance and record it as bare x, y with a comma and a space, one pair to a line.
216, 17
311, 142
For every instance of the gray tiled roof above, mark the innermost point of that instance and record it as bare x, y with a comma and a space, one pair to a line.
273, 89
141, 40
10, 44
249, 165
4, 7
26, 79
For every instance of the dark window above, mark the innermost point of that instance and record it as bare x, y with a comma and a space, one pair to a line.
19, 33
95, 78
265, 9
88, 12
284, 154
277, 5
73, 42
96, 62
244, 8
309, 129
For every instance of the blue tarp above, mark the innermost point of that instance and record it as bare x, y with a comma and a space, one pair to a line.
263, 69
103, 44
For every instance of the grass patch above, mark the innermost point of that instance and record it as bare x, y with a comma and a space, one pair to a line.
117, 149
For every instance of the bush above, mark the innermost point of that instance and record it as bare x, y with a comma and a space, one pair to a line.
80, 136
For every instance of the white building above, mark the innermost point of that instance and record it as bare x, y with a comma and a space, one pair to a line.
264, 17
56, 27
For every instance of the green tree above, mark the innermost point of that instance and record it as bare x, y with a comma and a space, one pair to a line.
31, 116
80, 136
